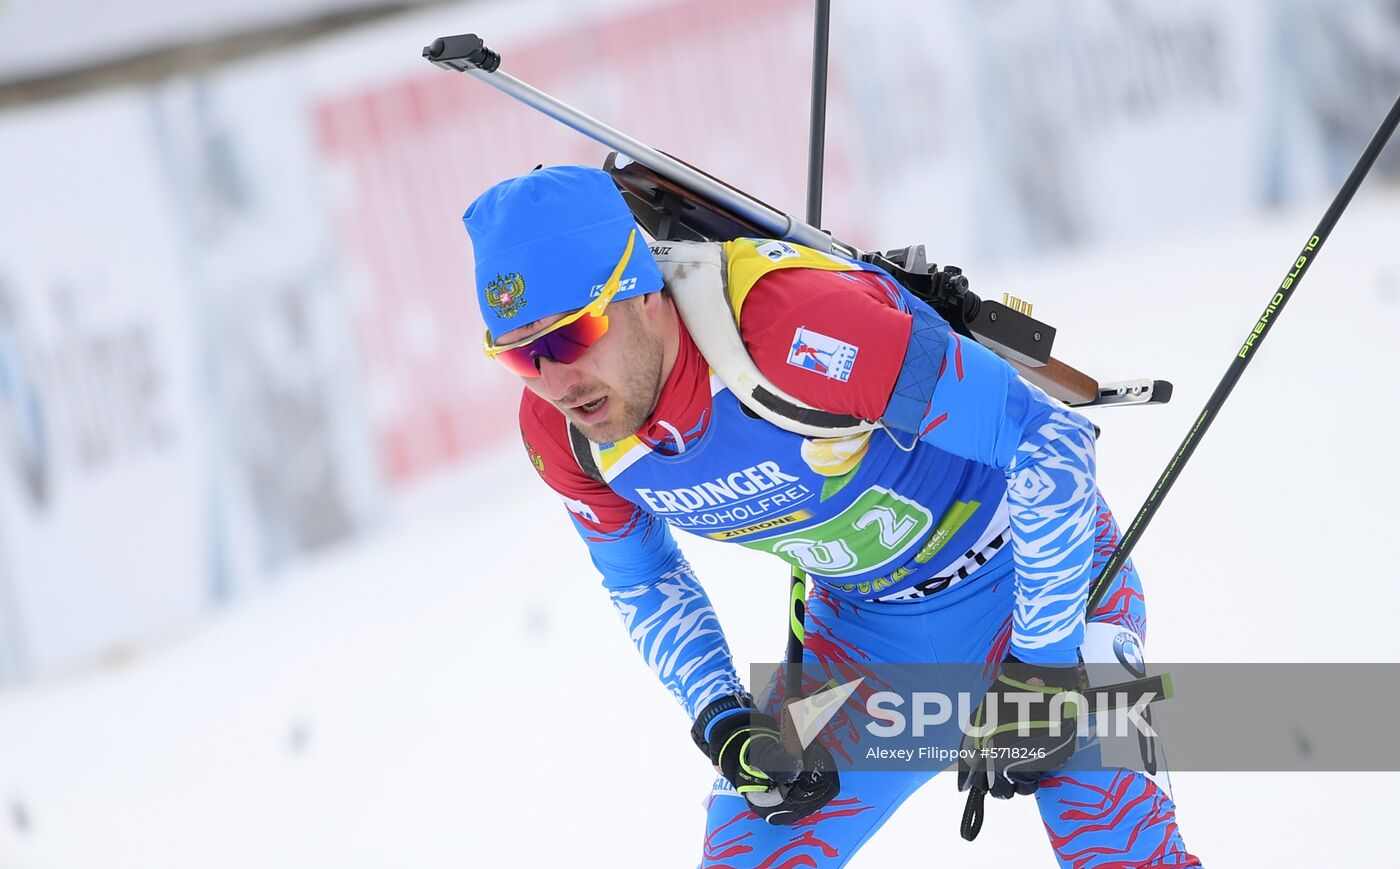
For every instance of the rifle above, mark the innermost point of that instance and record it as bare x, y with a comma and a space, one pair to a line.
675, 201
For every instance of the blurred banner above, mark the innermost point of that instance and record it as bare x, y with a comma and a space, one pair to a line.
48, 37
279, 370
236, 322
1336, 77
105, 505
1099, 121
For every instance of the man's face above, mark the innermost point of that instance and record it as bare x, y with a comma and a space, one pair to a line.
609, 391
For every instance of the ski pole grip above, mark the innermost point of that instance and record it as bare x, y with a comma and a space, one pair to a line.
462, 52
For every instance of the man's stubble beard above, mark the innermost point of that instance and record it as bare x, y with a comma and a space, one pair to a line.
640, 388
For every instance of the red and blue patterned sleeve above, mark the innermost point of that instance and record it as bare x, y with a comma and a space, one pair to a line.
664, 609
983, 410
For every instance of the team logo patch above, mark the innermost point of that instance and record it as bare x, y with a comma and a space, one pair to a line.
777, 250
826, 356
506, 295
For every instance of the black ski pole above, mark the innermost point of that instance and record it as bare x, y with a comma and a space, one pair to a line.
1246, 352
792, 669
797, 597
816, 152
973, 812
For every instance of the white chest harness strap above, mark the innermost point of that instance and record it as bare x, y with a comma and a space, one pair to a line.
696, 276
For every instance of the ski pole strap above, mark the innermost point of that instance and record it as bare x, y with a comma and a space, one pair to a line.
972, 814
1100, 699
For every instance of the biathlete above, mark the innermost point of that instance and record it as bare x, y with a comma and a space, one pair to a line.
945, 509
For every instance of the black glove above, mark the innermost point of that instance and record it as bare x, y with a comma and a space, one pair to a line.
1003, 762
745, 746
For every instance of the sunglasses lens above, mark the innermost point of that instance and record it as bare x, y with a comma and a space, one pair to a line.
519, 361
565, 345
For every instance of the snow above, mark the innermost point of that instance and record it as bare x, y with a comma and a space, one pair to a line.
451, 691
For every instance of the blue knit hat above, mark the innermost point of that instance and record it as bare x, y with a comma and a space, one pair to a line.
546, 242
